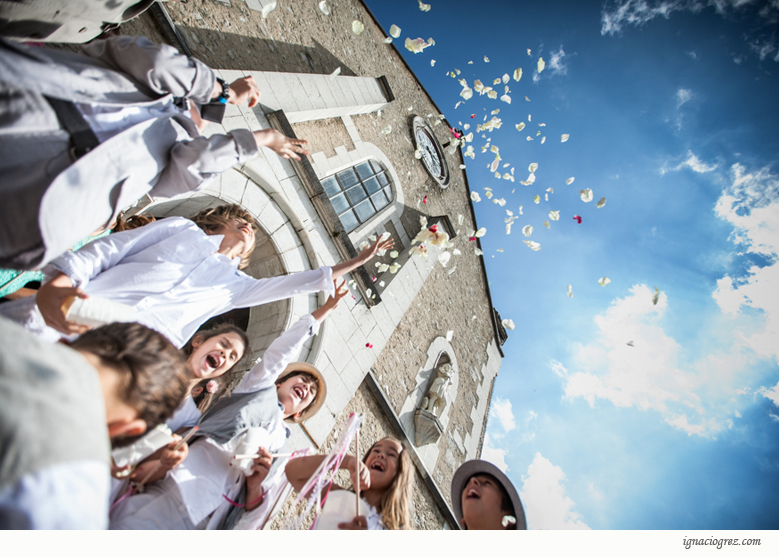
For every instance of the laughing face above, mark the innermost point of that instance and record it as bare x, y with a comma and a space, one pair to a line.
296, 394
213, 357
481, 503
383, 462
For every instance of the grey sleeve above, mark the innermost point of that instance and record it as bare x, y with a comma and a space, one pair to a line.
160, 68
195, 161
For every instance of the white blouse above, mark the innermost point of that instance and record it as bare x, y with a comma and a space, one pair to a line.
170, 274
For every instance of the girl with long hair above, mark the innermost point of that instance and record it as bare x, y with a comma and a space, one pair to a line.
385, 476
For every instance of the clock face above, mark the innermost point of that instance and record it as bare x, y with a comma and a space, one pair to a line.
431, 152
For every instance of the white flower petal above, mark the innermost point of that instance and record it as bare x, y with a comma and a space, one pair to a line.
486, 59
656, 296
520, 126
546, 223
386, 40
528, 52
475, 197
466, 93
564, 138
535, 246
550, 190
570, 180
601, 203
394, 254
586, 195
532, 167
357, 27
492, 94
570, 291
424, 7
444, 257
554, 215
477, 251
506, 99
508, 324
537, 199
460, 219
543, 139
604, 281
394, 31
480, 232
323, 7
517, 74
386, 130
540, 65
432, 63
268, 8
527, 230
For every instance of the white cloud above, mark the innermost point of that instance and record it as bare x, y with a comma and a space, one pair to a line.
693, 163
558, 368
771, 394
557, 62
751, 205
494, 455
547, 507
621, 13
683, 96
531, 416
773, 416
737, 413
501, 409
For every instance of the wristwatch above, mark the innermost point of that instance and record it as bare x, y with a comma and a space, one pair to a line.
225, 94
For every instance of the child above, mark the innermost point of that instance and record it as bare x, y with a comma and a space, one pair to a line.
273, 391
386, 478
84, 136
59, 406
485, 499
210, 355
176, 273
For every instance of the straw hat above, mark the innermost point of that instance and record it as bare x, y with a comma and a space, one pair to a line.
321, 394
474, 467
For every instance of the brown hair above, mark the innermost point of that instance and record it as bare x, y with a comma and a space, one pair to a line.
311, 379
213, 219
155, 375
133, 222
224, 380
395, 503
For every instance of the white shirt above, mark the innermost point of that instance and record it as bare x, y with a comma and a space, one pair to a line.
207, 474
66, 496
170, 273
187, 415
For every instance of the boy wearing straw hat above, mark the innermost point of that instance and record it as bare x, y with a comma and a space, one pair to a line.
61, 408
200, 491
485, 499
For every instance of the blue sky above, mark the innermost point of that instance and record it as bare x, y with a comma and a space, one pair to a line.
672, 115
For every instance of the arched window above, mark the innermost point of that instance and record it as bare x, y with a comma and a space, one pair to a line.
359, 192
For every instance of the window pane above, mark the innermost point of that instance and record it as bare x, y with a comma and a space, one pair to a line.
364, 170
382, 179
364, 210
347, 178
331, 186
379, 200
349, 221
376, 166
388, 192
356, 194
372, 185
340, 204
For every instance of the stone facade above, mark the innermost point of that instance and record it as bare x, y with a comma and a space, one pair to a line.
391, 342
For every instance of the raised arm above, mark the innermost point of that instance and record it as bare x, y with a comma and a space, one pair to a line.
366, 255
300, 469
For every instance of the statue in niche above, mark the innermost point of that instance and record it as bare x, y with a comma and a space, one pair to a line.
435, 400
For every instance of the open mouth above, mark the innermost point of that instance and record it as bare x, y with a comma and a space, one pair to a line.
377, 465
299, 392
213, 361
472, 494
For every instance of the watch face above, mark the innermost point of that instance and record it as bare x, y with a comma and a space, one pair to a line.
432, 154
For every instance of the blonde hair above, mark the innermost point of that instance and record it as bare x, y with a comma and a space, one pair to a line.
395, 504
213, 219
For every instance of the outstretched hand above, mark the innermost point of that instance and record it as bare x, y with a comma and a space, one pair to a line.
283, 146
244, 89
371, 251
341, 290
50, 299
359, 473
